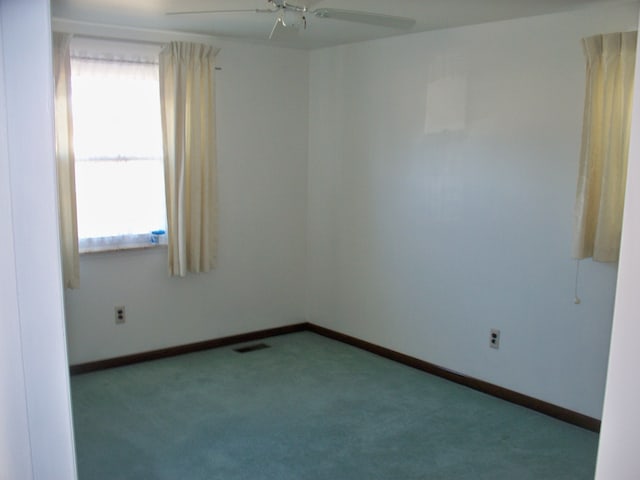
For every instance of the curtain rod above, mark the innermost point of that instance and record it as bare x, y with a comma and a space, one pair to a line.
112, 60
114, 33
127, 34
121, 40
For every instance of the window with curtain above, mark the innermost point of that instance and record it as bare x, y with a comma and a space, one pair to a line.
120, 192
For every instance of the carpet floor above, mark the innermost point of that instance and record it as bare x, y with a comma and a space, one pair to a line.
309, 408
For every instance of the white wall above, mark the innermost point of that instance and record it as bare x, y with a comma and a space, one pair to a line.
36, 439
423, 242
618, 450
262, 132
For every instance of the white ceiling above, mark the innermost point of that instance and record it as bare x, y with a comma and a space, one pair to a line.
320, 32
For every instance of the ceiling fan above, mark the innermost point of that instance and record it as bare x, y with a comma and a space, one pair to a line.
291, 17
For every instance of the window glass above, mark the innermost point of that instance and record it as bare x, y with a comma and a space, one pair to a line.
118, 150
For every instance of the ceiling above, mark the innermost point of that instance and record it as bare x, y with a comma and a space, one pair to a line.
320, 32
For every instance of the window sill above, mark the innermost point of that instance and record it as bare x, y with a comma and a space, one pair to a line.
119, 243
123, 248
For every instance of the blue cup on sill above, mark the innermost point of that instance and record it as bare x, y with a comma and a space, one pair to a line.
155, 236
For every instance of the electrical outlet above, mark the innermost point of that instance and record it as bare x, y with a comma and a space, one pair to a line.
120, 318
494, 338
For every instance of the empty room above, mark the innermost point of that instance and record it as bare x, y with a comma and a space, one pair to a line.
324, 239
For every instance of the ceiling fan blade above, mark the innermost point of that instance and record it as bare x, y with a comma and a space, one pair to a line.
365, 17
308, 3
216, 12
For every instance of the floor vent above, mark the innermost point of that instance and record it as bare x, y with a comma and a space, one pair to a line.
251, 348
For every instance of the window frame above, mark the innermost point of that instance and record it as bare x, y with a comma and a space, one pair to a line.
123, 53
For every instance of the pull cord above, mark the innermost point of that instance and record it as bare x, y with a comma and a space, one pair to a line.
576, 298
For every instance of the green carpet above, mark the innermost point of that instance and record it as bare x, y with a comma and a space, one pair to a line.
309, 408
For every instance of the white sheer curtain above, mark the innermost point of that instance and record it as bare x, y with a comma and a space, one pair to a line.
65, 161
188, 132
118, 147
605, 145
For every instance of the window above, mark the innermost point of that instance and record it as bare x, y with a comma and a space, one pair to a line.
118, 149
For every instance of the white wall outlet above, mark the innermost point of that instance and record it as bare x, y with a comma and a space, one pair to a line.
120, 317
494, 338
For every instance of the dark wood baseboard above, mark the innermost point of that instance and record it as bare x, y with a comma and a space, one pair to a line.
182, 349
546, 408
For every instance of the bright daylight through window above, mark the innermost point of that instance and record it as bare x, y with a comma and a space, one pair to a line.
118, 151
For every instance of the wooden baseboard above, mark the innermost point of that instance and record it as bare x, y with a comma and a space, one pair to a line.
182, 349
546, 408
